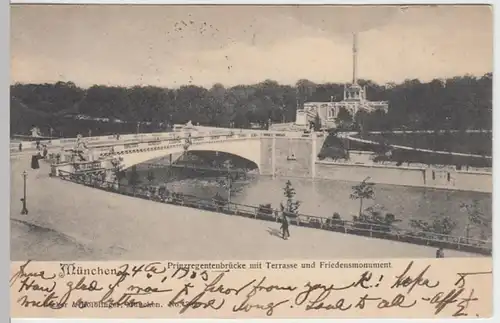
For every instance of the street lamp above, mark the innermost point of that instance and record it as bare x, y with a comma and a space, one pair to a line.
23, 200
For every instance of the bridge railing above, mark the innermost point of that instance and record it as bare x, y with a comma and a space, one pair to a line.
176, 140
110, 139
373, 230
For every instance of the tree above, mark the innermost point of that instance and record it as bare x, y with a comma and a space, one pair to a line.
463, 102
292, 205
363, 191
362, 121
343, 119
442, 224
475, 218
228, 181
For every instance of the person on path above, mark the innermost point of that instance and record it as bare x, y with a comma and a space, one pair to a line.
34, 161
284, 228
440, 253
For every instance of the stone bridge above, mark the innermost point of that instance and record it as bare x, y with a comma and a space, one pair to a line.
273, 153
247, 146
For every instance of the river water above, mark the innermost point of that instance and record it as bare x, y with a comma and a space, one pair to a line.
324, 197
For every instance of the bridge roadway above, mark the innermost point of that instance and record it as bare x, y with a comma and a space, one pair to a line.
131, 138
67, 221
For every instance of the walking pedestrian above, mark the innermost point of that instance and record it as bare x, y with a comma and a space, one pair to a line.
284, 228
34, 161
440, 253
20, 146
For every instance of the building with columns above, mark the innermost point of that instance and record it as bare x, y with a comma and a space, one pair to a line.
354, 100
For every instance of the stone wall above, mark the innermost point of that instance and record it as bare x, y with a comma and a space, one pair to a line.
460, 180
290, 156
407, 176
377, 174
266, 163
301, 149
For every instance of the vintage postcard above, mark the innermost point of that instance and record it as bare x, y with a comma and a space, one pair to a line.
231, 161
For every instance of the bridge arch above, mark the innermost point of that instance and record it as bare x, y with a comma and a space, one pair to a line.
249, 149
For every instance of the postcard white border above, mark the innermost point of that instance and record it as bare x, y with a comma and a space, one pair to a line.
4, 144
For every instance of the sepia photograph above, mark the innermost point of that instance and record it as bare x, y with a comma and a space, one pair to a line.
202, 132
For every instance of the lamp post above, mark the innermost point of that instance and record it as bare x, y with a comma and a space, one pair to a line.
23, 200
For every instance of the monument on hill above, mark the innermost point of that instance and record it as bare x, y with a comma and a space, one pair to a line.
354, 100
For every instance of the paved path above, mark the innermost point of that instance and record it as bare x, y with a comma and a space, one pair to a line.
416, 149
68, 221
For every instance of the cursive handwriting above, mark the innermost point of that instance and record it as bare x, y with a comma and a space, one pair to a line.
441, 300
461, 280
405, 280
261, 287
57, 302
318, 304
326, 290
269, 307
211, 291
195, 302
22, 273
141, 290
122, 275
397, 301
29, 283
215, 286
153, 268
51, 301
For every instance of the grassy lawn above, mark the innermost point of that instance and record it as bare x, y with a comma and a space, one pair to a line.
470, 143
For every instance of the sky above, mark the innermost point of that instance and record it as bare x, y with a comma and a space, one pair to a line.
171, 46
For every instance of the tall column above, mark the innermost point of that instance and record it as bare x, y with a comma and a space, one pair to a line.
273, 157
354, 58
313, 155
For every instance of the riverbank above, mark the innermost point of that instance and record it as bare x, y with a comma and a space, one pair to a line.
68, 221
322, 198
444, 178
435, 178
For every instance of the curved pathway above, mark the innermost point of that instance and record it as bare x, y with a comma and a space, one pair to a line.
68, 221
347, 136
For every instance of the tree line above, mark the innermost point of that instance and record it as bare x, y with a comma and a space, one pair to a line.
463, 102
